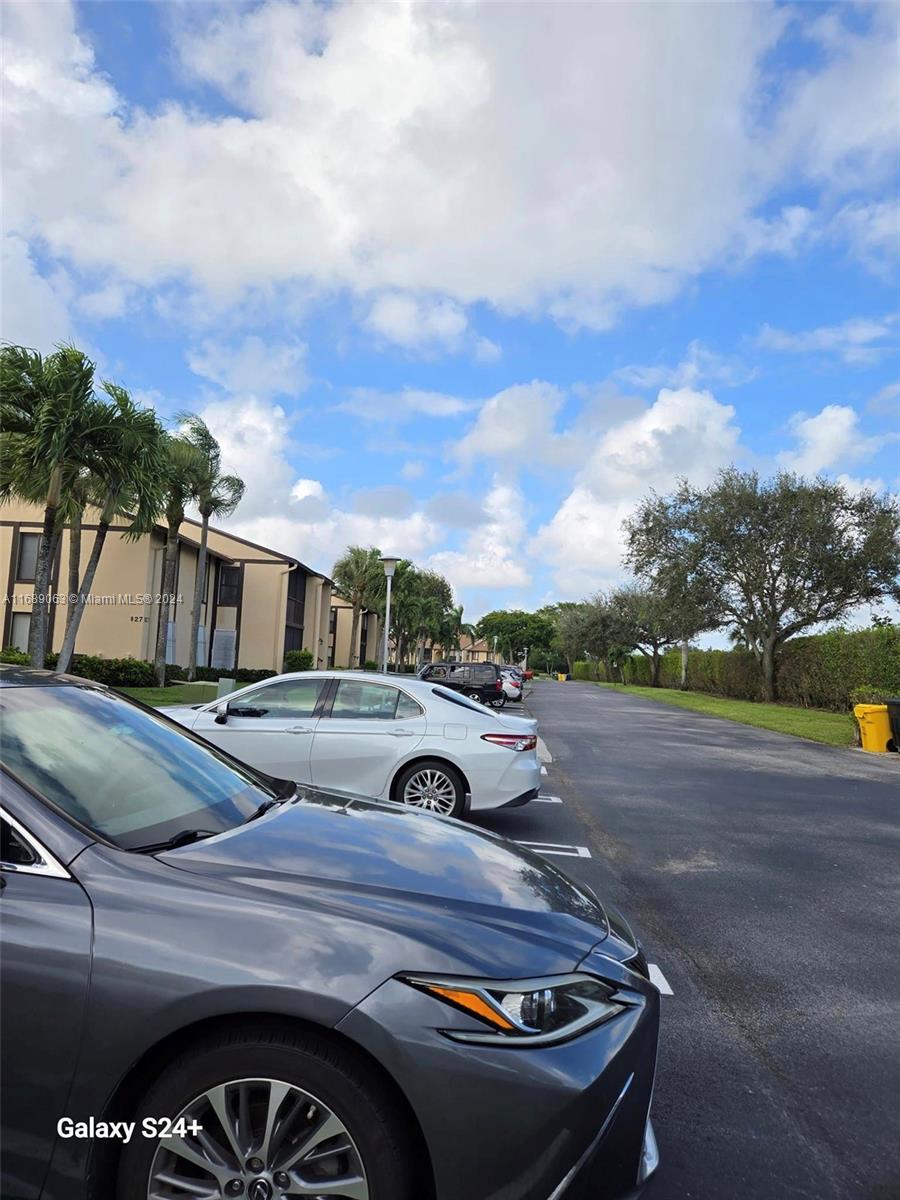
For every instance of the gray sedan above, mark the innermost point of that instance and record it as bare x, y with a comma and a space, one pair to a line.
215, 985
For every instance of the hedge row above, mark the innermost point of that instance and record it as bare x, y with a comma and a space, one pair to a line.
831, 670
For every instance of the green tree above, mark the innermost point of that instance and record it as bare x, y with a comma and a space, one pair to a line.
453, 629
183, 471
218, 495
359, 579
515, 631
664, 554
786, 554
643, 620
54, 429
127, 483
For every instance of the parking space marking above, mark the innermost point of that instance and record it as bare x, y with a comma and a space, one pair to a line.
548, 799
543, 753
659, 980
543, 770
557, 848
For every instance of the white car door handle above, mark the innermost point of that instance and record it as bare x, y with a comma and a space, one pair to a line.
401, 733
299, 729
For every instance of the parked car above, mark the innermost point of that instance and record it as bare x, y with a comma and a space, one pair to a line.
216, 984
478, 681
387, 737
512, 683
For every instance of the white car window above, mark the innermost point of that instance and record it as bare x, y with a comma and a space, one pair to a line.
365, 701
288, 698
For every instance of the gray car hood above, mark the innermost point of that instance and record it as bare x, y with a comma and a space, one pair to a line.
391, 866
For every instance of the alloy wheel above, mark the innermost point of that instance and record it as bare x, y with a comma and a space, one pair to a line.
261, 1139
432, 790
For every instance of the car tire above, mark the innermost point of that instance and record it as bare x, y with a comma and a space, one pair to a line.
500, 702
317, 1081
476, 696
431, 774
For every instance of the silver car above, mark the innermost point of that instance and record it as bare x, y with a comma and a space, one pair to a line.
384, 736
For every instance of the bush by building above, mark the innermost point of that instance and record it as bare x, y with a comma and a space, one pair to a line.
298, 660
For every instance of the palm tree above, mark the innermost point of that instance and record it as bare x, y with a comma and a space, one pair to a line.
54, 429
454, 628
359, 579
128, 484
184, 469
218, 496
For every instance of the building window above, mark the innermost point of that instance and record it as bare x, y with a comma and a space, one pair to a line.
26, 560
229, 587
294, 612
19, 630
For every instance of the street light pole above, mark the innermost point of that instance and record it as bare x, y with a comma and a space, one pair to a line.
390, 565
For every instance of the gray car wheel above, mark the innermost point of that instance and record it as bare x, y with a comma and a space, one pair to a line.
267, 1115
432, 786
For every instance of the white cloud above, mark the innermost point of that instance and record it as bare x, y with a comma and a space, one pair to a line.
402, 152
397, 407
487, 351
515, 421
886, 400
494, 554
854, 485
412, 470
417, 324
34, 310
872, 233
830, 437
700, 365
456, 510
857, 342
252, 366
683, 433
388, 500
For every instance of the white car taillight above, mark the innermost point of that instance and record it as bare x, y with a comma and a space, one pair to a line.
512, 741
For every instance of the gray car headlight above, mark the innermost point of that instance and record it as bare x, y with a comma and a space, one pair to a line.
533, 1011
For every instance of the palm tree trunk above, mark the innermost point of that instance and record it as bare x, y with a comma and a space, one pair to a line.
354, 630
37, 633
67, 653
74, 571
167, 586
198, 599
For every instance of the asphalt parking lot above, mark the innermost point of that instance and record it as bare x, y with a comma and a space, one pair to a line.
762, 873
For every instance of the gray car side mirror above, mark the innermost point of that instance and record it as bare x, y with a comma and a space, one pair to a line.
222, 713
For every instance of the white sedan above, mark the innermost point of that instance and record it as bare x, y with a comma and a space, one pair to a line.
384, 736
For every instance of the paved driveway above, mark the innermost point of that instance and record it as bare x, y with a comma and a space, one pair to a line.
763, 874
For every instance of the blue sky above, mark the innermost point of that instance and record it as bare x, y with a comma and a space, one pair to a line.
466, 281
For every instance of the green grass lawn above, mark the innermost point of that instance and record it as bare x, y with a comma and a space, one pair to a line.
837, 729
179, 693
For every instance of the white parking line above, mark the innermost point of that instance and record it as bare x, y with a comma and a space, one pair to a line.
548, 799
543, 770
660, 981
543, 753
557, 848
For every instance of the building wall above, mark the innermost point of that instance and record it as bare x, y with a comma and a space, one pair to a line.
134, 567
339, 640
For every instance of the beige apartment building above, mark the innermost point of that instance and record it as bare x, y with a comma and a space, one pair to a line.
257, 602
340, 629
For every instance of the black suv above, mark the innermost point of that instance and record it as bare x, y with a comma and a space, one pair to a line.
479, 681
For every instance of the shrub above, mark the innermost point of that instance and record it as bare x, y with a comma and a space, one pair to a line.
828, 670
298, 660
114, 672
11, 655
370, 665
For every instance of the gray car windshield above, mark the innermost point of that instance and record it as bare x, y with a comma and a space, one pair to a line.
119, 770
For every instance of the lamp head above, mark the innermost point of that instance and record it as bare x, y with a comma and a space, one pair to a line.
390, 565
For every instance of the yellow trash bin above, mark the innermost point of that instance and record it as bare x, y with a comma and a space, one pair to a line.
562, 678
874, 726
